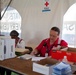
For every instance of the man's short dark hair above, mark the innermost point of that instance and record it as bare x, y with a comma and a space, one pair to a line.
14, 33
56, 29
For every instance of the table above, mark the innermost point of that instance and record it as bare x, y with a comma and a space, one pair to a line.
19, 66
23, 67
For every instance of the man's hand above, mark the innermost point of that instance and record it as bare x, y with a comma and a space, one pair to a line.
34, 52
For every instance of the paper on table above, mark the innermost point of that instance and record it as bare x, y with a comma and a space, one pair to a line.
37, 58
26, 56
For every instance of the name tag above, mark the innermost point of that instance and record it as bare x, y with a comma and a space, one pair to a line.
46, 54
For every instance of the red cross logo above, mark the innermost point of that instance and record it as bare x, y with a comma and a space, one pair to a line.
46, 4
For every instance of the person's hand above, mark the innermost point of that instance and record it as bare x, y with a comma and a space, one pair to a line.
34, 52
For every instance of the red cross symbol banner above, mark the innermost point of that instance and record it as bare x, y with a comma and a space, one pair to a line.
46, 6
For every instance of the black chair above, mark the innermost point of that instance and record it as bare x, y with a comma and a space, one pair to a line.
29, 48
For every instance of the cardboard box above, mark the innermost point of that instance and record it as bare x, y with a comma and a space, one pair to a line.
44, 66
8, 47
9, 50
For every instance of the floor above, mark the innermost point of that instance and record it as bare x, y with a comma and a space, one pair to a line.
13, 73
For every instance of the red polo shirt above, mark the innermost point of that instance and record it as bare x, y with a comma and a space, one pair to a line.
45, 45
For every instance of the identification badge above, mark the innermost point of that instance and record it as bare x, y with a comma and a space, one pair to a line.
46, 54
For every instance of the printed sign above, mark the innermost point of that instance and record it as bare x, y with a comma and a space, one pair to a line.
46, 8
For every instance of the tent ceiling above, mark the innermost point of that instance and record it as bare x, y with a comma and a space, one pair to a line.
3, 4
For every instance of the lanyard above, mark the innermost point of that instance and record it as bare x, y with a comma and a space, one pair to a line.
48, 50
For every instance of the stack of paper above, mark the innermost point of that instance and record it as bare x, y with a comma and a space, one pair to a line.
26, 56
62, 69
37, 58
43, 69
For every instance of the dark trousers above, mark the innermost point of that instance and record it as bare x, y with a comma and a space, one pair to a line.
3, 70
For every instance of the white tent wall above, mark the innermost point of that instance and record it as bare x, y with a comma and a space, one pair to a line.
35, 23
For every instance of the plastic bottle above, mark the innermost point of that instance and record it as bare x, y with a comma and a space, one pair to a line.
46, 54
65, 59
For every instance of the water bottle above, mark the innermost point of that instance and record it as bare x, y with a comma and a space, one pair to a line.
65, 59
46, 54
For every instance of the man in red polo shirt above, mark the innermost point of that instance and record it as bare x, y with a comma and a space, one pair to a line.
46, 47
